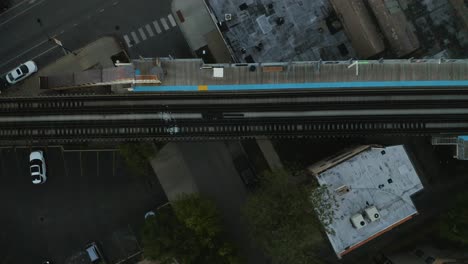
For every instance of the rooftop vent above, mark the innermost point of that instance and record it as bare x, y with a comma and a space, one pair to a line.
227, 17
358, 221
372, 213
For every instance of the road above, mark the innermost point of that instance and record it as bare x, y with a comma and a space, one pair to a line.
76, 23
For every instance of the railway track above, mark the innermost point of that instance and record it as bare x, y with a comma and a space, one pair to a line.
233, 129
224, 116
123, 102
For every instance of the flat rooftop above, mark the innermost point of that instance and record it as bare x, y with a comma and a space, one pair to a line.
367, 177
287, 30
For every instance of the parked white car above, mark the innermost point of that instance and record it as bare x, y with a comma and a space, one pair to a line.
21, 72
37, 167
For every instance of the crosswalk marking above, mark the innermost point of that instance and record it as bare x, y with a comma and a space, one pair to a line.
127, 40
132, 38
157, 27
164, 23
135, 38
150, 31
172, 20
142, 34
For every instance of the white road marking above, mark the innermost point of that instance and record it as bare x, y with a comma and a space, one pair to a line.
13, 7
135, 38
142, 34
26, 51
127, 40
47, 51
172, 20
164, 23
157, 27
22, 12
150, 31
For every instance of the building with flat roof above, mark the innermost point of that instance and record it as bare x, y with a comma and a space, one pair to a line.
396, 28
359, 27
373, 188
277, 30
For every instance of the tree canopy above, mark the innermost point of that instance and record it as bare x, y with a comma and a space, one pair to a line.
283, 221
136, 155
190, 231
453, 225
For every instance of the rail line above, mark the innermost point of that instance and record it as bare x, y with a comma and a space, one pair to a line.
225, 116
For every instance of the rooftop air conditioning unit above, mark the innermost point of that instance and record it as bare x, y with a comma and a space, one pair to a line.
358, 221
227, 17
372, 213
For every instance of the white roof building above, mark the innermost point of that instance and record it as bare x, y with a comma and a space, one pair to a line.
373, 188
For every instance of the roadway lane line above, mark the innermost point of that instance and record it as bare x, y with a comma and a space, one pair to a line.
128, 41
150, 31
47, 51
172, 20
22, 12
135, 38
13, 7
157, 27
142, 34
24, 52
164, 23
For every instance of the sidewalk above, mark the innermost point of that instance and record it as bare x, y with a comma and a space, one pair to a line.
172, 171
199, 29
97, 54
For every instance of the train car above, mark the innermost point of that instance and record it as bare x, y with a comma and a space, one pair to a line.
359, 27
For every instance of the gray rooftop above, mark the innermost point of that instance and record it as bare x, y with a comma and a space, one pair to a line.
380, 177
303, 36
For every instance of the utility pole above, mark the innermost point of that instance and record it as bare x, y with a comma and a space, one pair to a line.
53, 39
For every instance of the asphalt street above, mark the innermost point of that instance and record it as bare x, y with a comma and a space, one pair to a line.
76, 23
88, 196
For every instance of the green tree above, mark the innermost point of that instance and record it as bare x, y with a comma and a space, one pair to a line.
190, 231
453, 225
136, 155
282, 219
200, 215
165, 238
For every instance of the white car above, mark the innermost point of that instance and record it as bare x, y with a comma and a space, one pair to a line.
21, 72
37, 167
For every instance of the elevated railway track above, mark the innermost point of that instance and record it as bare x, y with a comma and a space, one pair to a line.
209, 116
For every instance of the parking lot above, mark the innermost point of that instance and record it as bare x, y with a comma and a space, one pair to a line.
89, 196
